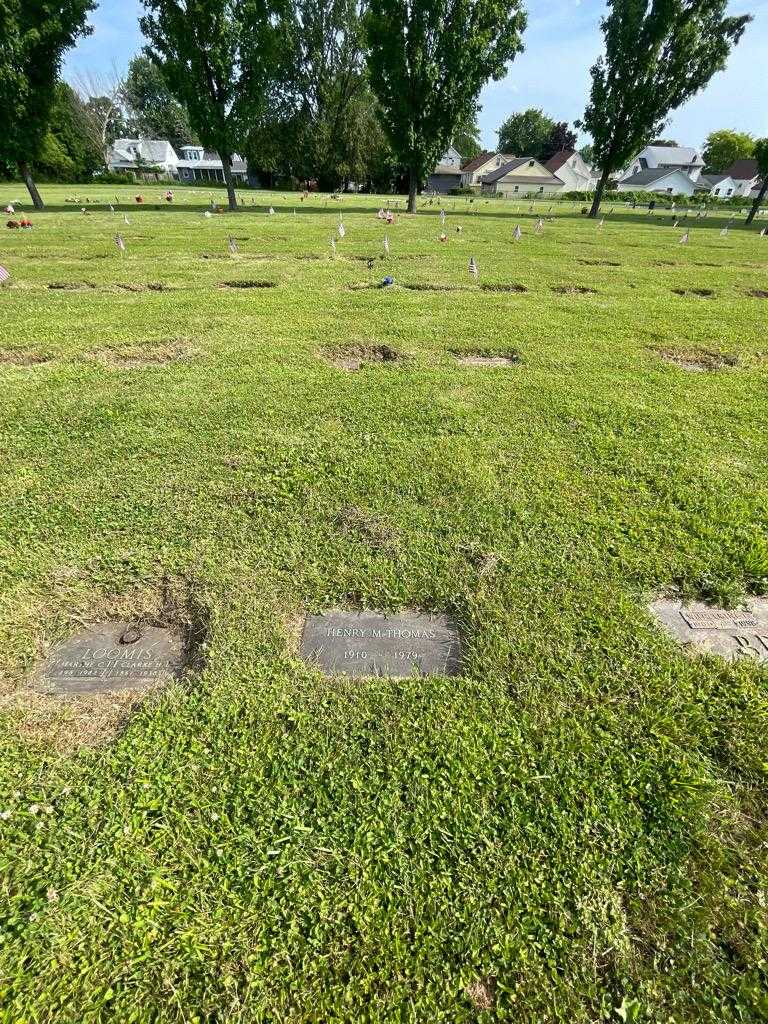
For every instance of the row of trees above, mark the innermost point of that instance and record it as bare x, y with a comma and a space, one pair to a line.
365, 85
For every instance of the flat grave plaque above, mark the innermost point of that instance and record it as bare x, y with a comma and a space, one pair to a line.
366, 644
742, 633
111, 656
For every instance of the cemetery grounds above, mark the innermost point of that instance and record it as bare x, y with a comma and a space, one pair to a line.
575, 827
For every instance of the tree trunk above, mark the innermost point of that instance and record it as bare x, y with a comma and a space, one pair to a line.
29, 181
413, 188
599, 194
756, 205
226, 163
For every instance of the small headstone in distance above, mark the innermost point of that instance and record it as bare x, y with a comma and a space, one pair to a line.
111, 656
730, 634
366, 644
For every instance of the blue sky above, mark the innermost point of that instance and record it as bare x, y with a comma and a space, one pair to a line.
561, 43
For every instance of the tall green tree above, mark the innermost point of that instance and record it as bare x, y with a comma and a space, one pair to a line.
560, 138
525, 133
466, 135
658, 53
724, 147
761, 155
35, 35
152, 111
428, 61
69, 151
218, 59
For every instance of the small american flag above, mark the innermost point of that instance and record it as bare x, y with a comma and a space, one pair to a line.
120, 243
764, 232
601, 224
539, 226
232, 245
676, 224
342, 231
111, 208
442, 216
271, 211
686, 238
724, 233
333, 245
386, 244
125, 218
517, 234
473, 268
4, 275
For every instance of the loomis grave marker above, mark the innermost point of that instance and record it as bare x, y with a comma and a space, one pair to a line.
371, 644
742, 633
111, 656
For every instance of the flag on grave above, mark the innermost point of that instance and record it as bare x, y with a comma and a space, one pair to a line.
724, 233
4, 275
120, 243
342, 231
111, 208
539, 226
686, 238
676, 224
442, 216
386, 245
473, 268
600, 225
764, 232
517, 234
333, 245
271, 211
232, 245
125, 218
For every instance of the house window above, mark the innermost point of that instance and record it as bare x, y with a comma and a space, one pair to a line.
517, 188
670, 191
717, 191
541, 188
730, 192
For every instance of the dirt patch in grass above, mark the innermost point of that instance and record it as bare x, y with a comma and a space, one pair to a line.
665, 263
70, 286
153, 286
367, 526
700, 293
757, 293
599, 263
247, 284
697, 360
22, 357
66, 724
482, 993
354, 356
145, 354
486, 358
437, 288
504, 288
574, 289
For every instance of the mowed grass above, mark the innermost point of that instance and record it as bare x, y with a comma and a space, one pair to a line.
573, 830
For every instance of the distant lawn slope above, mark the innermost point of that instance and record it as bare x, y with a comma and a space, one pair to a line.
575, 829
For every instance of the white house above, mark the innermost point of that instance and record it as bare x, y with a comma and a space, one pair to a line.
662, 180
465, 173
133, 156
575, 174
521, 177
719, 186
654, 158
199, 164
746, 177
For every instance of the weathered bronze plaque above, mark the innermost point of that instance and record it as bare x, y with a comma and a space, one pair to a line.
731, 634
111, 656
373, 644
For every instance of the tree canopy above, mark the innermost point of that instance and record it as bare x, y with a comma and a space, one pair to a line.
35, 35
428, 61
724, 147
658, 53
525, 133
219, 60
151, 109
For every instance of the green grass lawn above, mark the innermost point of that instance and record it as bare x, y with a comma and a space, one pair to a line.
575, 829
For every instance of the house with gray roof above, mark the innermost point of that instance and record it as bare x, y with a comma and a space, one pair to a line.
719, 186
670, 158
664, 180
136, 156
523, 177
199, 164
